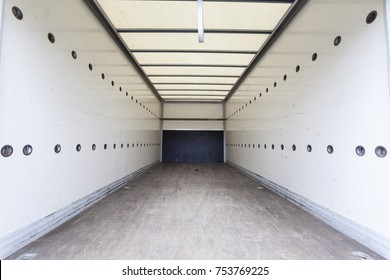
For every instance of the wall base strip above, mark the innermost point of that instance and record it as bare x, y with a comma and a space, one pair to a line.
13, 242
361, 234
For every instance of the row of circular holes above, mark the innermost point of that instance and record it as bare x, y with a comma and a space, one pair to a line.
380, 151
7, 150
369, 19
19, 15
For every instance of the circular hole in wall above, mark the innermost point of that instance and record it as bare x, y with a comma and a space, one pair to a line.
17, 13
275, 84
120, 88
282, 147
93, 147
265, 146
337, 40
90, 67
57, 148
272, 146
330, 149
297, 68
258, 146
27, 150
293, 147
103, 76
127, 94
51, 37
360, 151
114, 146
314, 57
78, 147
380, 151
260, 94
74, 54
266, 90
112, 83
7, 150
121, 146
284, 77
371, 17
128, 145
309, 148
105, 146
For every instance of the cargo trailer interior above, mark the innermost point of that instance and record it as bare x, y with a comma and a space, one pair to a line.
123, 136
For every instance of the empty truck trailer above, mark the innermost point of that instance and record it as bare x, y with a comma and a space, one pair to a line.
194, 129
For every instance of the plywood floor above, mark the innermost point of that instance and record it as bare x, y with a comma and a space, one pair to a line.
194, 211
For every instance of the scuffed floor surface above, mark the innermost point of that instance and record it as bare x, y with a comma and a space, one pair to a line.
194, 211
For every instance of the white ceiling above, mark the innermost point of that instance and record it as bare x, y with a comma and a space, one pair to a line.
162, 36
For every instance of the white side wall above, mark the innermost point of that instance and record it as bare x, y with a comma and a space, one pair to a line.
213, 112
340, 99
48, 98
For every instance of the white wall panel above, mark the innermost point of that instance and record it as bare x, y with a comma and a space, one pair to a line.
211, 111
339, 99
47, 97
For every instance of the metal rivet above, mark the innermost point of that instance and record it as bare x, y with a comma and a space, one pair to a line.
17, 13
337, 41
7, 150
380, 151
57, 148
360, 151
51, 37
78, 147
284, 77
90, 67
103, 76
105, 146
309, 148
314, 56
93, 147
293, 147
297, 68
282, 147
74, 54
27, 150
371, 17
330, 149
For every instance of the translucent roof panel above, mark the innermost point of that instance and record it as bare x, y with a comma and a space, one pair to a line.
183, 14
210, 71
193, 58
189, 41
162, 38
193, 86
193, 80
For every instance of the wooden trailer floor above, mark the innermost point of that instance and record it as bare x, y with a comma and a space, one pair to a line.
194, 211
